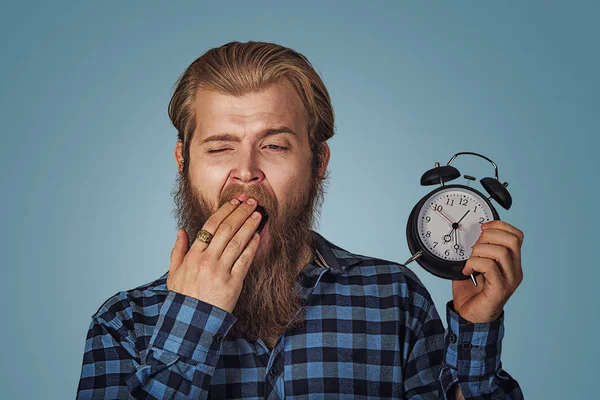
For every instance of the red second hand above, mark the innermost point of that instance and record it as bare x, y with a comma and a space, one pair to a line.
447, 218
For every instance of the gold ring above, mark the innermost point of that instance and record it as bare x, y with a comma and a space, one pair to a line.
204, 236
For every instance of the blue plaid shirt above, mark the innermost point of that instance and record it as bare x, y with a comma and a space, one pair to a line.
370, 330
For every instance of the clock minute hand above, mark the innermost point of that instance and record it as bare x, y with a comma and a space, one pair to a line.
463, 217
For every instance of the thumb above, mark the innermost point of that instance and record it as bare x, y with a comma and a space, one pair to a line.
179, 250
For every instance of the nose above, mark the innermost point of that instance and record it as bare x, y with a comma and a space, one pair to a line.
247, 169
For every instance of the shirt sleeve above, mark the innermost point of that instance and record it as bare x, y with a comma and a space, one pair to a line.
466, 354
177, 363
472, 359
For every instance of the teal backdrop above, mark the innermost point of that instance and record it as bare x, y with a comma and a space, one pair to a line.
87, 162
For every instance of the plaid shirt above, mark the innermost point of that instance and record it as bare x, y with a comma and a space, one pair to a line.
371, 330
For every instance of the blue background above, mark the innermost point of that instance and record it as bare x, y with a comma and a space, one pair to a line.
88, 168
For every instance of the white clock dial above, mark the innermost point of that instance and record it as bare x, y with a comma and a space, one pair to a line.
444, 208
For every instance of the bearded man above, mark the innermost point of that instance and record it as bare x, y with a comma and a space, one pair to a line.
256, 304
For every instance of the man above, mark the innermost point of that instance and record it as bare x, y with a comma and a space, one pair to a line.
284, 312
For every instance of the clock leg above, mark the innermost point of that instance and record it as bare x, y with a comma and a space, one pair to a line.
474, 280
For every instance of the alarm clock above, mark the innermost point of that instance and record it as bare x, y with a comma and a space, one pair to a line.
444, 225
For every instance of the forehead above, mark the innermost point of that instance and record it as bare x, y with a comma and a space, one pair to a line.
277, 105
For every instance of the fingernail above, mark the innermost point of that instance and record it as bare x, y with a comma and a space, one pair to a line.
251, 201
235, 202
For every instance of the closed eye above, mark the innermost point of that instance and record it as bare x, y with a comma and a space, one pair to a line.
270, 146
276, 147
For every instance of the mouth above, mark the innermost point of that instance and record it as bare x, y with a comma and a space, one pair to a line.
265, 215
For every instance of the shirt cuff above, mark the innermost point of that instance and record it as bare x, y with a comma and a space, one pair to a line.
190, 328
473, 349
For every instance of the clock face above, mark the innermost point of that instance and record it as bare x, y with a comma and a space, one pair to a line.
446, 210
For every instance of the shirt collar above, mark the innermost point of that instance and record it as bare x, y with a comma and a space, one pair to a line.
332, 257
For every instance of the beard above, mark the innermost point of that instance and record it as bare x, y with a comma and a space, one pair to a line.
269, 302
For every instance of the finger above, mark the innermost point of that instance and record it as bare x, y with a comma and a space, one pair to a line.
497, 224
237, 243
504, 238
229, 227
494, 280
243, 262
214, 221
179, 250
511, 241
501, 255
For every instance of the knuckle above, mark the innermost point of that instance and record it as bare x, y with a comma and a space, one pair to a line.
244, 259
204, 264
226, 228
515, 242
211, 223
236, 242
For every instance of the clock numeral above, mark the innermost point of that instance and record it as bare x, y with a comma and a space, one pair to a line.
427, 218
462, 252
448, 201
460, 201
428, 234
481, 220
447, 252
435, 244
437, 207
475, 209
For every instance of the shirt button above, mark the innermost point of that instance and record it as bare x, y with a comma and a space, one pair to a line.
219, 339
452, 338
466, 346
274, 372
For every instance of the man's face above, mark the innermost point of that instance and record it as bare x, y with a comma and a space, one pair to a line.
241, 143
256, 145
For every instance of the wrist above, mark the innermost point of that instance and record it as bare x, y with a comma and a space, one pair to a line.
477, 316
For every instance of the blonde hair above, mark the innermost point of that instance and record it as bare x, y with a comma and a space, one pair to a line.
239, 68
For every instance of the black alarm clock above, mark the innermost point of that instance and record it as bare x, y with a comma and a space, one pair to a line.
444, 225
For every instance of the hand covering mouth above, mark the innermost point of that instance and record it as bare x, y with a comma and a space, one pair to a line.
265, 215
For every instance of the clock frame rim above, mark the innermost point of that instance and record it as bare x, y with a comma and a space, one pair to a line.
444, 268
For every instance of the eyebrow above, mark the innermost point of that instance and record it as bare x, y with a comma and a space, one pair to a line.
226, 137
